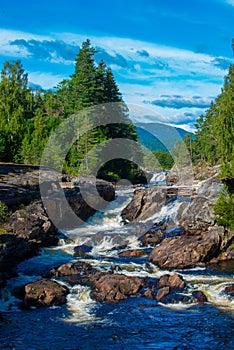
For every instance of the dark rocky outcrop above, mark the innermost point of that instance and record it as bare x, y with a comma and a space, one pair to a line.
44, 292
13, 250
188, 250
33, 225
199, 297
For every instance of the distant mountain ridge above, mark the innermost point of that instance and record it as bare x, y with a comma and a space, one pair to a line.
158, 136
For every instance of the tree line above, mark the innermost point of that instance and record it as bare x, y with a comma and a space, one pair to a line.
28, 116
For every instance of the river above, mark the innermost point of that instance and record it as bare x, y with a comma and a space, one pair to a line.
135, 323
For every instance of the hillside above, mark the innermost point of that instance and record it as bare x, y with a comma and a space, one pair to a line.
158, 136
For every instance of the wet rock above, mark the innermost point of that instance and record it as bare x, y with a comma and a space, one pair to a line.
200, 213
186, 251
82, 251
229, 290
44, 292
111, 288
33, 225
174, 281
69, 269
199, 297
148, 293
13, 250
133, 253
162, 293
151, 237
144, 204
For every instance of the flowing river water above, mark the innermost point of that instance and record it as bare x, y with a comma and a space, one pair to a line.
135, 323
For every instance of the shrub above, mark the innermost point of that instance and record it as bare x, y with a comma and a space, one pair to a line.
4, 213
224, 209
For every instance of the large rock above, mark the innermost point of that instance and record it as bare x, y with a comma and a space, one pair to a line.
80, 269
33, 225
144, 204
152, 237
187, 251
200, 213
111, 288
174, 281
44, 292
133, 253
83, 200
13, 250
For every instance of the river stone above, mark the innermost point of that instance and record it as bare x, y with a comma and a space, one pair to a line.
162, 293
145, 203
229, 290
44, 292
186, 251
199, 297
111, 288
69, 269
174, 281
133, 253
151, 237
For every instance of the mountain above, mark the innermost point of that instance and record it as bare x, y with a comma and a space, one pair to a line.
158, 136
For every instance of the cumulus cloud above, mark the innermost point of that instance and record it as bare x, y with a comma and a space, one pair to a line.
56, 51
143, 53
178, 102
222, 63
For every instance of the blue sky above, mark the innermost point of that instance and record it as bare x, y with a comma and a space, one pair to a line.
169, 56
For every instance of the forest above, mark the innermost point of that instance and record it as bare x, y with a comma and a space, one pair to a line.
28, 117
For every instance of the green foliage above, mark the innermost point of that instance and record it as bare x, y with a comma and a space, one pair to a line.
165, 159
4, 213
214, 139
224, 209
27, 117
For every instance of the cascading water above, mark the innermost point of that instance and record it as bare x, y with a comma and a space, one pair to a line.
103, 326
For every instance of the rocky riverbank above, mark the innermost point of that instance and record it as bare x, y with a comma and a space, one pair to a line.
27, 227
199, 240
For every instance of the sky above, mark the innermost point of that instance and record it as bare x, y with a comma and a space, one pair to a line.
169, 57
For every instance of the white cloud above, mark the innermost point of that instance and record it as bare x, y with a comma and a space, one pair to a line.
143, 70
230, 2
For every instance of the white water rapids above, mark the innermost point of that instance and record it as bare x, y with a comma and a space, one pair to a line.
105, 232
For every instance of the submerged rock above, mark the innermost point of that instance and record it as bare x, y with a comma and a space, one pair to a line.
82, 251
44, 292
229, 290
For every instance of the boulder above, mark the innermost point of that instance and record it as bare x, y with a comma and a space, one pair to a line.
229, 290
82, 251
144, 204
33, 225
44, 292
151, 237
133, 253
162, 293
199, 297
111, 287
187, 251
80, 269
174, 281
13, 250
